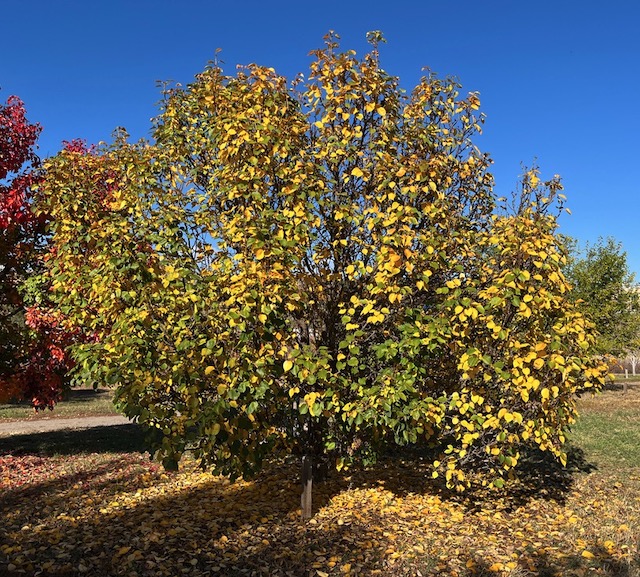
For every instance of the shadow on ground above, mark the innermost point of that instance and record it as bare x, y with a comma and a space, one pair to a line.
253, 529
214, 527
83, 395
128, 438
540, 474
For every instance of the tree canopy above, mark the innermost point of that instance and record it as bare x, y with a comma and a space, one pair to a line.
319, 267
607, 293
33, 361
17, 142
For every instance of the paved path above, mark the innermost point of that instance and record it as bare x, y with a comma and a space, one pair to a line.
57, 424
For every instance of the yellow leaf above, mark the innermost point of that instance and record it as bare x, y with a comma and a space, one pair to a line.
588, 554
209, 370
287, 366
381, 111
357, 172
259, 254
395, 259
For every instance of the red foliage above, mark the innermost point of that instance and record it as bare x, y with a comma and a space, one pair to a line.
33, 362
17, 157
17, 137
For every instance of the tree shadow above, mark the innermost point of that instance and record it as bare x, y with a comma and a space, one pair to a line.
539, 475
108, 476
253, 528
215, 527
83, 395
127, 438
619, 385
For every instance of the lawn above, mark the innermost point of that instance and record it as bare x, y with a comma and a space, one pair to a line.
79, 402
91, 502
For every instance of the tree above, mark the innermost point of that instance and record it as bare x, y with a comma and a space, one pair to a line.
32, 357
319, 268
606, 292
17, 141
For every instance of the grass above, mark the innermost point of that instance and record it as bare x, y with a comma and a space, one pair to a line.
91, 503
608, 430
75, 403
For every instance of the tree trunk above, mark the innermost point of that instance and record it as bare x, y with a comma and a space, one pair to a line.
307, 486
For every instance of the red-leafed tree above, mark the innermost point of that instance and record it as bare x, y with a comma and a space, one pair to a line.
33, 361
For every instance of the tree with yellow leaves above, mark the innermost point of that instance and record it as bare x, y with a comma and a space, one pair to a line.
320, 267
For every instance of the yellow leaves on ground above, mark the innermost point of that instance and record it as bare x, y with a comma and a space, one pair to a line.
108, 514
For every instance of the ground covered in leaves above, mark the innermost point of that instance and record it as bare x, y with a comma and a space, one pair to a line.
110, 511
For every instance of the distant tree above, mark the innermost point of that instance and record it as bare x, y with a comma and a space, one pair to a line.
319, 268
605, 290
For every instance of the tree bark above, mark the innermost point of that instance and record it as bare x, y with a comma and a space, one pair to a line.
307, 486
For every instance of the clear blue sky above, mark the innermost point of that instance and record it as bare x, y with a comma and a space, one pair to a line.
559, 80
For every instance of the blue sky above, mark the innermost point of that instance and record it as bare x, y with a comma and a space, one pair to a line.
559, 81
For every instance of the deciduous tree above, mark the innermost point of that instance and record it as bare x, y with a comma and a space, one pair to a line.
319, 267
607, 293
17, 227
32, 356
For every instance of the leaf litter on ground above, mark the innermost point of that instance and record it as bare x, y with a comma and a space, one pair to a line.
120, 514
